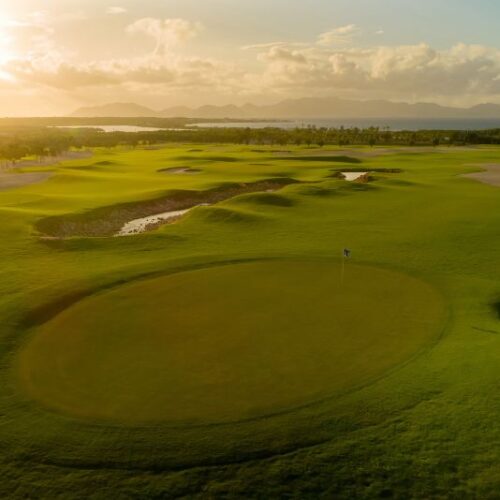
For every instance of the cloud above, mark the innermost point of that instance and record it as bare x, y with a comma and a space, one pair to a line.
342, 34
259, 46
116, 10
326, 65
388, 71
49, 66
150, 71
166, 32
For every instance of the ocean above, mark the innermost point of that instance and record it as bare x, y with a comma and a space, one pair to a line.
391, 123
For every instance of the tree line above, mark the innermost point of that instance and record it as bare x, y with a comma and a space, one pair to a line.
43, 142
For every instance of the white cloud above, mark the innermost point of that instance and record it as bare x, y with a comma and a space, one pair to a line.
402, 71
116, 10
342, 34
287, 69
166, 32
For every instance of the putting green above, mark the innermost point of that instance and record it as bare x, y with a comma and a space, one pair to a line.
227, 343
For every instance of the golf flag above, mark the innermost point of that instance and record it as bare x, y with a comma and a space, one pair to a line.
347, 253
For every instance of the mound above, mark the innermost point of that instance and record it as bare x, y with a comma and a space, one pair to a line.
228, 159
276, 200
105, 163
311, 190
84, 168
333, 158
223, 214
377, 170
227, 343
399, 182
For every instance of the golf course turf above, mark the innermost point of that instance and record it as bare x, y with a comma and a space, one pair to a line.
227, 354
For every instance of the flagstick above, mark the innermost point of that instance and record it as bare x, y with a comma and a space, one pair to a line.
342, 272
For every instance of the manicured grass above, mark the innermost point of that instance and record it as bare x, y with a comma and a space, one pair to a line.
228, 343
415, 416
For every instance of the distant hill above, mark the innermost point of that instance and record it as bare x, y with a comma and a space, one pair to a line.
306, 108
117, 109
336, 108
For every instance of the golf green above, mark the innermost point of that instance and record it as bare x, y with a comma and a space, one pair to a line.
229, 342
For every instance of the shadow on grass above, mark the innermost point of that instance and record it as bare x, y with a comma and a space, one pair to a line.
496, 308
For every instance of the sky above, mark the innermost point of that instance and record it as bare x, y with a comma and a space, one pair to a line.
58, 55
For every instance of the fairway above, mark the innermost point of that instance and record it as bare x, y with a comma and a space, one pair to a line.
229, 342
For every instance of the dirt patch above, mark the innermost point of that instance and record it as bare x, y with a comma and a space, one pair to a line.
491, 175
179, 170
13, 181
107, 221
45, 162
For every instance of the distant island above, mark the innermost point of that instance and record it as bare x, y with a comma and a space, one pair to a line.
294, 109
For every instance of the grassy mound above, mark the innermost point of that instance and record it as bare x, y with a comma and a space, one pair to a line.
315, 190
227, 343
105, 163
319, 158
272, 199
223, 215
215, 158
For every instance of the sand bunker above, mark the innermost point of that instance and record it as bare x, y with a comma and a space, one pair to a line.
144, 224
491, 174
353, 176
13, 181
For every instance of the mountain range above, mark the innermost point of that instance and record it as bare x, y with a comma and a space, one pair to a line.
305, 108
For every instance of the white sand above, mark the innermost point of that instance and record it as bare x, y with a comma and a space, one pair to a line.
181, 170
491, 175
137, 226
352, 176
